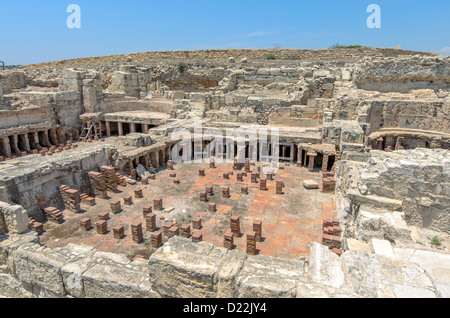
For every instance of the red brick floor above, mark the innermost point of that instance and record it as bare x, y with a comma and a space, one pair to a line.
290, 222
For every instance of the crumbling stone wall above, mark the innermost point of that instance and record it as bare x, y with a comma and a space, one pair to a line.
403, 74
87, 84
3, 227
13, 219
415, 182
41, 179
11, 80
185, 269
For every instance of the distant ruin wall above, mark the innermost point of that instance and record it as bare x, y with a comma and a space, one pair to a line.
258, 54
161, 106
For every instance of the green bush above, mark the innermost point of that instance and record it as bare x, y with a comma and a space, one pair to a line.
436, 241
182, 67
339, 46
271, 57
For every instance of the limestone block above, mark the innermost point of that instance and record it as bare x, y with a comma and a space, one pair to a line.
404, 279
325, 267
309, 290
40, 269
275, 72
227, 274
16, 218
142, 172
355, 245
198, 97
184, 269
254, 101
72, 271
362, 272
263, 71
9, 246
269, 277
311, 184
229, 100
240, 99
382, 248
117, 281
13, 288
435, 263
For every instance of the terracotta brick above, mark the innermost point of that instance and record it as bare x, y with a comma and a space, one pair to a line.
156, 239
197, 237
119, 232
101, 227
104, 216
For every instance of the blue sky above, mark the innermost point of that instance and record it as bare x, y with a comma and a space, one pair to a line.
36, 31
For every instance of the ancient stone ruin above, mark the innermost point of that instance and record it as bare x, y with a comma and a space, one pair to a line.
334, 183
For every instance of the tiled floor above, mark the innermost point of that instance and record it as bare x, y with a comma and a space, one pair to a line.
290, 222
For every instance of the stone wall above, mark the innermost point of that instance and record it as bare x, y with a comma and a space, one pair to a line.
11, 80
416, 182
28, 269
129, 105
185, 269
403, 74
3, 227
24, 185
87, 84
13, 219
25, 116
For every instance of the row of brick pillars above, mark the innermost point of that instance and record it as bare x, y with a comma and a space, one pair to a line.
29, 143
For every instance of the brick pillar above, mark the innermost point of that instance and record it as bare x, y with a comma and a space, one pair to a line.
380, 143
325, 163
235, 224
26, 142
108, 128
228, 240
399, 143
6, 146
311, 162
157, 205
120, 128
247, 165
283, 151
101, 227
54, 136
14, 145
299, 157
257, 228
35, 136
132, 127
163, 156
145, 128
60, 135
136, 232
156, 239
279, 187
251, 243
119, 232
185, 230
263, 185
197, 223
157, 164
47, 139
